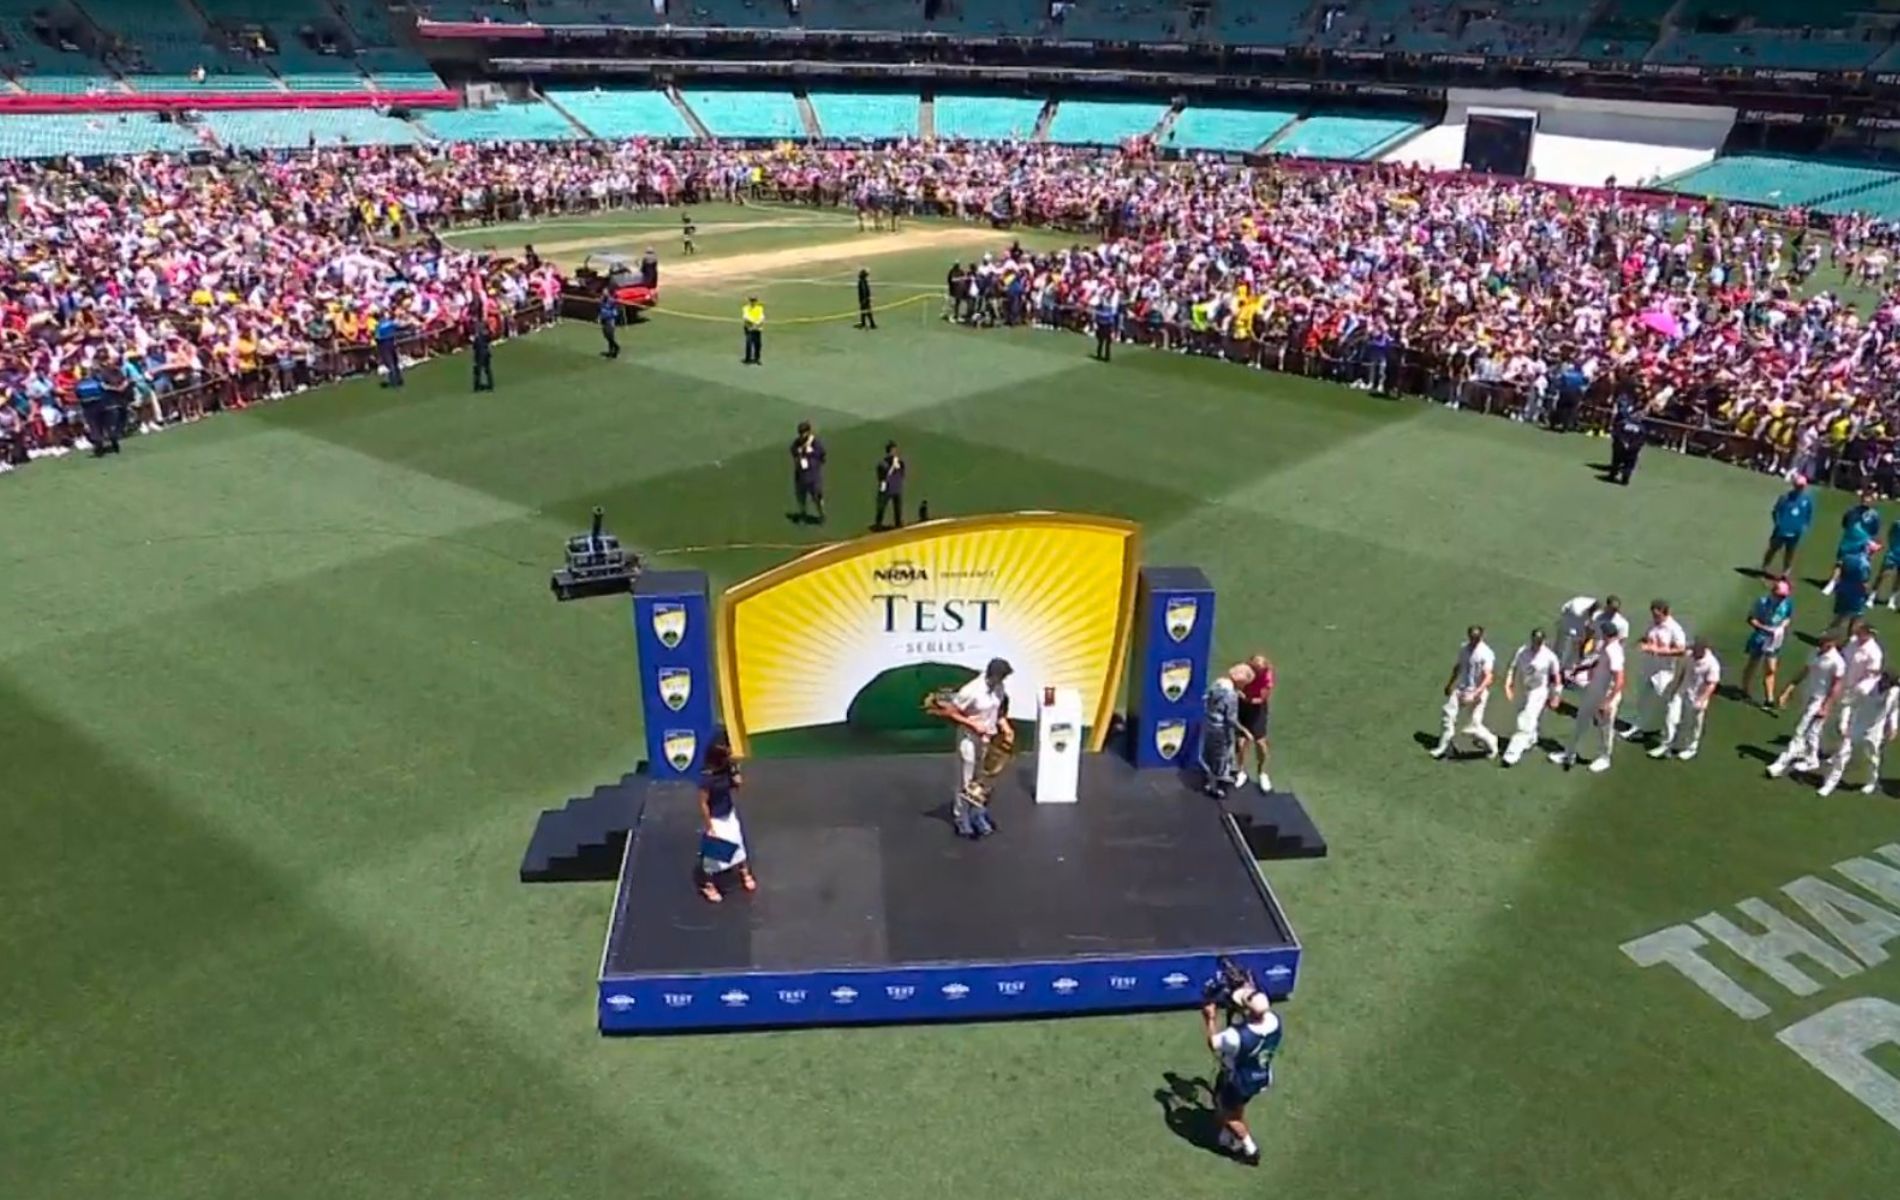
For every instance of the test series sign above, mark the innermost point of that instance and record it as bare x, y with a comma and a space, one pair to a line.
843, 645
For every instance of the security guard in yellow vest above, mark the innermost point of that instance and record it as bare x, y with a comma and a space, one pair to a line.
753, 314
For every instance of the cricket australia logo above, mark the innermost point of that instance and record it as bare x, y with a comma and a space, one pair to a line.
676, 686
1179, 616
669, 623
680, 746
1169, 735
1177, 675
1061, 733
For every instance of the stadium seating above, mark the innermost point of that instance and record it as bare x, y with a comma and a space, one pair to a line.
532, 121
865, 114
991, 118
1267, 23
1328, 136
40, 65
626, 113
745, 114
1123, 21
1103, 122
296, 128
397, 70
1201, 127
1768, 49
1882, 202
325, 81
89, 135
1759, 179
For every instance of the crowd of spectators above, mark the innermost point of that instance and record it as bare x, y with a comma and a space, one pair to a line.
196, 287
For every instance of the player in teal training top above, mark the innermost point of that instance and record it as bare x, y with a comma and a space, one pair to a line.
1768, 623
1860, 527
1793, 513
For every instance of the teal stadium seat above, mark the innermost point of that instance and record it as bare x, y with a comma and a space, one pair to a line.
986, 118
744, 114
41, 67
1342, 136
1761, 179
326, 81
1124, 21
872, 116
91, 135
1103, 122
1762, 48
1267, 23
273, 129
1231, 130
407, 81
622, 113
532, 121
1882, 202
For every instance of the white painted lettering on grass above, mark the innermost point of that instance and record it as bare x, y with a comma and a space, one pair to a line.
1840, 1040
1678, 946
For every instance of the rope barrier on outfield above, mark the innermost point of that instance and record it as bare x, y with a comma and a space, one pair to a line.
847, 316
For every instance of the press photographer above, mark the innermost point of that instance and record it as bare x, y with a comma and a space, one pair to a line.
1244, 1034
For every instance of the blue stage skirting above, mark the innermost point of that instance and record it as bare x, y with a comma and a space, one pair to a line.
951, 992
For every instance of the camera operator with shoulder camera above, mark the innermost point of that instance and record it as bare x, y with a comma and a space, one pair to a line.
1244, 1033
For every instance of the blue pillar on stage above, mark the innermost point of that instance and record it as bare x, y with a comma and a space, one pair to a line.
1174, 632
672, 623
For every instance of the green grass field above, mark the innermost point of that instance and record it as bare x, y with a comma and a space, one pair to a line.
282, 693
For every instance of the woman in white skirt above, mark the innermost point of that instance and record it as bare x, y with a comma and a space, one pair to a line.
721, 839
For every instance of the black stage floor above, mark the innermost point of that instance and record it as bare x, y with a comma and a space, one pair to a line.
858, 866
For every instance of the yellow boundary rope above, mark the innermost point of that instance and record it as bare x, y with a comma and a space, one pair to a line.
847, 316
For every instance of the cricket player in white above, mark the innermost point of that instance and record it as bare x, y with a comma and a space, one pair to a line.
980, 712
1596, 710
1695, 687
1534, 683
1865, 661
1660, 696
1466, 693
1576, 620
1824, 675
1872, 719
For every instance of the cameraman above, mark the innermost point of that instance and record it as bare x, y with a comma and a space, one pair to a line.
1245, 1049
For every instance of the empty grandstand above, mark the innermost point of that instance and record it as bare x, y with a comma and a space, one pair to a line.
745, 114
992, 118
1331, 135
1229, 130
274, 129
869, 115
1757, 179
89, 135
621, 112
1104, 122
525, 121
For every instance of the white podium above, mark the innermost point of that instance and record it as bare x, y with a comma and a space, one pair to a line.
1058, 744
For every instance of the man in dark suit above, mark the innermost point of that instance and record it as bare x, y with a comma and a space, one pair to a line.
890, 487
483, 346
808, 474
866, 318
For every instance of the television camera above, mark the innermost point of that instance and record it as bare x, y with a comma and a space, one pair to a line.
1230, 980
597, 565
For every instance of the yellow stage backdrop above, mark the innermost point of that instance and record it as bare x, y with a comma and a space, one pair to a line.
838, 648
